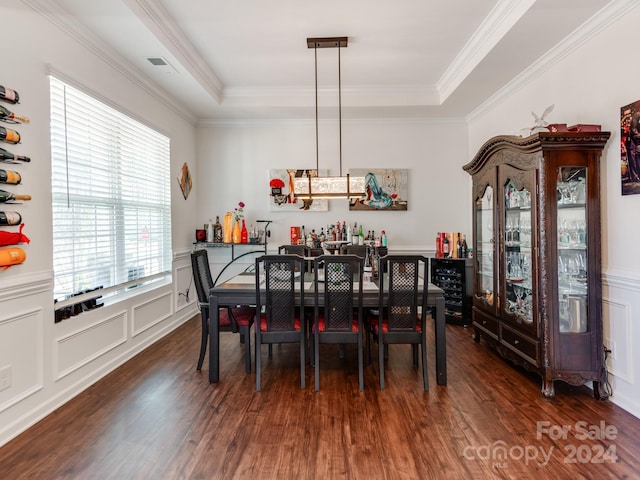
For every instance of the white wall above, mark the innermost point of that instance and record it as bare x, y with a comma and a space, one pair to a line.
589, 85
235, 160
50, 363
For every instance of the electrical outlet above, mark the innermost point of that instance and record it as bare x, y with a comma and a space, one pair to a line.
5, 377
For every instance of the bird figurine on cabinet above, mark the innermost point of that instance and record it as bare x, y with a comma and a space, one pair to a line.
540, 122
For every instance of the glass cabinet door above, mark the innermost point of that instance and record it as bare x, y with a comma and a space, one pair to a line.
572, 228
518, 258
485, 246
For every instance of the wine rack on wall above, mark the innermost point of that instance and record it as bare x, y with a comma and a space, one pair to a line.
12, 166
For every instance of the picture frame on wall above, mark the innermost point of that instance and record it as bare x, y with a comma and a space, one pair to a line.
386, 189
630, 148
282, 191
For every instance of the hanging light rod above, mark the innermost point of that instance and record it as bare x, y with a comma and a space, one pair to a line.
329, 187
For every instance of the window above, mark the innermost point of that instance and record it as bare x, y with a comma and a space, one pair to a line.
111, 196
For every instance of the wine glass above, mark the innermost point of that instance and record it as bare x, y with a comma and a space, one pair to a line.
509, 230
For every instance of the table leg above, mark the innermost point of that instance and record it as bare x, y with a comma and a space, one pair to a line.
441, 343
214, 339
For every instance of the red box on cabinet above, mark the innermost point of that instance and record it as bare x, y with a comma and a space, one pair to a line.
557, 127
583, 127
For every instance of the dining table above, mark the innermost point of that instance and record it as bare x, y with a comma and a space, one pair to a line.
241, 291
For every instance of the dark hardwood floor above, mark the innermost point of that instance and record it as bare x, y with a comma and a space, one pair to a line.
157, 418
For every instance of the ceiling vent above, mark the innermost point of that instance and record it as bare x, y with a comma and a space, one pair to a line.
161, 64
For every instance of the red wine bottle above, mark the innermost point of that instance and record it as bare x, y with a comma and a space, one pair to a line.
8, 196
8, 116
9, 95
10, 218
6, 156
10, 176
9, 136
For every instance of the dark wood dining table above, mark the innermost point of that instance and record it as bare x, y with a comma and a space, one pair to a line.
241, 290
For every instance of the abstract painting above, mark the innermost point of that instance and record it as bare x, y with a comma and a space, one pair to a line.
386, 189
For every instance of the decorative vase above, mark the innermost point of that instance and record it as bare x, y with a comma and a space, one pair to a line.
228, 227
244, 233
237, 233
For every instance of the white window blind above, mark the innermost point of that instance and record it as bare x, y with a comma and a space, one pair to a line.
111, 195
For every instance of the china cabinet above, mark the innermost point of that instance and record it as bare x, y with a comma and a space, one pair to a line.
537, 288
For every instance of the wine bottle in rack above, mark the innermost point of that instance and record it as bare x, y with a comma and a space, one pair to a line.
9, 136
10, 176
8, 196
9, 95
6, 156
10, 218
7, 115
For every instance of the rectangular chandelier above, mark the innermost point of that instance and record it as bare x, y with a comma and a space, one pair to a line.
329, 187
310, 187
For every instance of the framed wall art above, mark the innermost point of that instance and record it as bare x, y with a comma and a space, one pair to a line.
630, 148
386, 189
281, 191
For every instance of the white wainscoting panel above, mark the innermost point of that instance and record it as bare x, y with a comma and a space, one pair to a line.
621, 317
21, 358
74, 350
151, 312
617, 325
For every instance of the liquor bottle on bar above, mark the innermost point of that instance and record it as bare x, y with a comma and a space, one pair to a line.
459, 246
465, 248
445, 245
7, 156
217, 230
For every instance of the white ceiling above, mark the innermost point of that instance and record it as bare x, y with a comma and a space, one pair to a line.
248, 59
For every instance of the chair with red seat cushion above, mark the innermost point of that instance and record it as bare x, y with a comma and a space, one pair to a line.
234, 320
402, 308
338, 313
280, 300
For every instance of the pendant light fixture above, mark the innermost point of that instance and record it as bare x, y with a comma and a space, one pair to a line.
309, 188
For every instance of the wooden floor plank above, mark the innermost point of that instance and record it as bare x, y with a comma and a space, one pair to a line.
156, 417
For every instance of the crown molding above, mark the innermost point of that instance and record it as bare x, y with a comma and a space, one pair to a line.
156, 17
591, 28
496, 25
245, 122
52, 11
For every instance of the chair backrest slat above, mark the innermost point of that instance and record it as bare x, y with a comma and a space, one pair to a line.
406, 300
283, 281
201, 275
340, 272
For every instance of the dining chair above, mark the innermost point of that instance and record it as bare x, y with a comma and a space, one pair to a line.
338, 314
236, 320
281, 307
402, 308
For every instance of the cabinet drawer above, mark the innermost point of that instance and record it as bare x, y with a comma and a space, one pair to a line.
486, 323
525, 347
